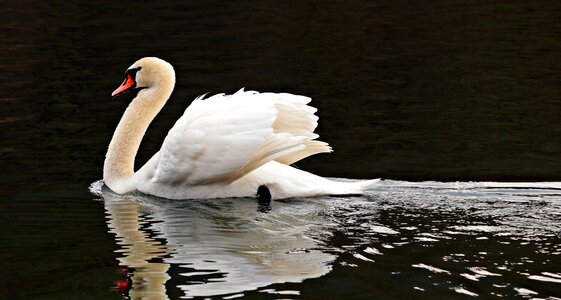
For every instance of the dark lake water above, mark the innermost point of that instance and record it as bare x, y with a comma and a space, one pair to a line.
465, 92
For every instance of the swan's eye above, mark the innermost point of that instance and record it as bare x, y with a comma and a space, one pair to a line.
133, 72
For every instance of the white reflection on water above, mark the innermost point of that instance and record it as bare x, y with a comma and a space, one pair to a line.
497, 239
221, 246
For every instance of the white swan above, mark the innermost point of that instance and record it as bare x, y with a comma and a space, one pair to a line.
223, 146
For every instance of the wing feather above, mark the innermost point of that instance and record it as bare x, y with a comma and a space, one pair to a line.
224, 137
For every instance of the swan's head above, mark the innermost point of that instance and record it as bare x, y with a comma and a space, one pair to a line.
146, 73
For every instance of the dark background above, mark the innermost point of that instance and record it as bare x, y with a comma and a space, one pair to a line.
440, 90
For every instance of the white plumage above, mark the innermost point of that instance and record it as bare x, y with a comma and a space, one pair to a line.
222, 146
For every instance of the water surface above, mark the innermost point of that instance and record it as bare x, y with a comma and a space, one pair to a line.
400, 240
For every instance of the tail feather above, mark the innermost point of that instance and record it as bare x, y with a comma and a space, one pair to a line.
356, 187
365, 185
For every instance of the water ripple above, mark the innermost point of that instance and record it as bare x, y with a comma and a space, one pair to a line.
436, 238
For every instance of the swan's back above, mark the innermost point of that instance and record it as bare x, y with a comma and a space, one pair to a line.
220, 139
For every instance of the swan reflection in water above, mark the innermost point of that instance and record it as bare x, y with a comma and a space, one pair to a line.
215, 247
230, 246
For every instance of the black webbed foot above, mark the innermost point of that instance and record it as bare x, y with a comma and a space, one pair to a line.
263, 199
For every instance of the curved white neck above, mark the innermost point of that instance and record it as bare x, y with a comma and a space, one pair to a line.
118, 168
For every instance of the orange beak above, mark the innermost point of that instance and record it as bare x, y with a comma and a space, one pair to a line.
127, 84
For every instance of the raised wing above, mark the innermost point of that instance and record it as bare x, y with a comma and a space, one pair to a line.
224, 137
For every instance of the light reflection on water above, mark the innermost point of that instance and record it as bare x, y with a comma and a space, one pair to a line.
440, 239
217, 246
